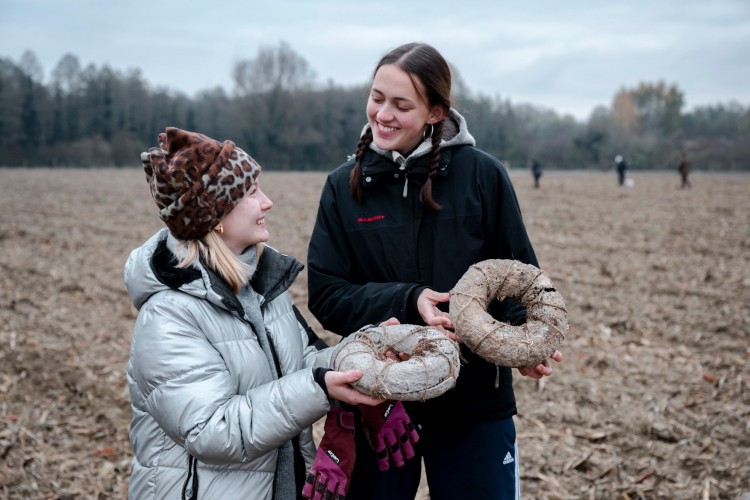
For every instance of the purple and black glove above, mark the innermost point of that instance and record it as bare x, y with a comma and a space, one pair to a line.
390, 433
334, 461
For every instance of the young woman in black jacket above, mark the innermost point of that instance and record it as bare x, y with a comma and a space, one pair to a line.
398, 224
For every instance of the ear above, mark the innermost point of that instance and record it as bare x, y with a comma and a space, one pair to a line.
436, 114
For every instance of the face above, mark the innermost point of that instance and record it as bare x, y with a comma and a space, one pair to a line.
396, 113
245, 225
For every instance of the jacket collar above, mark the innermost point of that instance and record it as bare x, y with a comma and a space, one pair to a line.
455, 133
153, 267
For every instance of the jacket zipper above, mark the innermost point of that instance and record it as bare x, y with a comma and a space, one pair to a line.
400, 160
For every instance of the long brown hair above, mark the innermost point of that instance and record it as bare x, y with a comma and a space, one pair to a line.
431, 77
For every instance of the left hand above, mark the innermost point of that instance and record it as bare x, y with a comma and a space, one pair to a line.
543, 369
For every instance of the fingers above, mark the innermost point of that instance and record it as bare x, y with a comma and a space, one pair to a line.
527, 371
543, 369
437, 318
349, 376
314, 487
389, 452
339, 388
307, 490
317, 488
412, 434
442, 320
353, 397
453, 336
397, 356
396, 450
427, 307
390, 322
363, 399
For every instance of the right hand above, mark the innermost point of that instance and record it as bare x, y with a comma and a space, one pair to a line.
338, 387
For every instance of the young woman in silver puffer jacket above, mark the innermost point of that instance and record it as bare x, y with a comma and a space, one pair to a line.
225, 382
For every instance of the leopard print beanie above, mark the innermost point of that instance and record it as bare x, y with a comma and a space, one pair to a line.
196, 181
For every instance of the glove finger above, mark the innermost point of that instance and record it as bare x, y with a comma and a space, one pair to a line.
307, 490
393, 453
406, 446
384, 459
397, 454
330, 495
340, 491
412, 431
320, 489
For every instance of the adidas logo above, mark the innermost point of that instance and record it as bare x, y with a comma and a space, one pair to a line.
508, 459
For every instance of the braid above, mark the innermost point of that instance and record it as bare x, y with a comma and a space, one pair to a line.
425, 195
355, 184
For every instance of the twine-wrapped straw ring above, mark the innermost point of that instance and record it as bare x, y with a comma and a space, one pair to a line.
431, 370
506, 345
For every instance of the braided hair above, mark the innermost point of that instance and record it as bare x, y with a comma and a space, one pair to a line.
431, 76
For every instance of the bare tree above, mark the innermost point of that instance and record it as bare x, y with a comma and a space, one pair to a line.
29, 64
273, 69
67, 74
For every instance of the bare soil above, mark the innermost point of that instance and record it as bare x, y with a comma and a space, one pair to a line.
652, 400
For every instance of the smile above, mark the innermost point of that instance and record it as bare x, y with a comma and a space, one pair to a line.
386, 130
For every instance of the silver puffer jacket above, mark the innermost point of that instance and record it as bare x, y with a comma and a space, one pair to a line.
203, 395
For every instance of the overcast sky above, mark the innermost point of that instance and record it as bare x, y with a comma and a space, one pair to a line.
566, 55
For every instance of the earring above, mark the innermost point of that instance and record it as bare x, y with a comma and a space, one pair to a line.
425, 136
220, 229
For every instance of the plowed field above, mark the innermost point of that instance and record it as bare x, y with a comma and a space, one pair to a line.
652, 400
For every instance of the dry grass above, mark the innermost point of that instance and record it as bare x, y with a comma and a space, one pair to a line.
651, 401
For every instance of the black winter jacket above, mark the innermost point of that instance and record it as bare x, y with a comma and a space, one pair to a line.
369, 261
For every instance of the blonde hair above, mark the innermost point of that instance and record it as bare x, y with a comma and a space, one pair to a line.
217, 257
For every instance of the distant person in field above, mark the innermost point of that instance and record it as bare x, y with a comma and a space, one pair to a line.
225, 379
536, 171
622, 169
684, 169
398, 224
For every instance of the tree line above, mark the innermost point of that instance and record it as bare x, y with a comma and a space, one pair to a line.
99, 116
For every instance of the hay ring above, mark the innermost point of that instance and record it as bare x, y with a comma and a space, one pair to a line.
431, 370
524, 345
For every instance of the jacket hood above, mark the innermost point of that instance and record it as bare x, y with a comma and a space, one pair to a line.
152, 268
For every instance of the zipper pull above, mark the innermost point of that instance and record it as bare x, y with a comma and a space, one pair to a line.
497, 376
400, 160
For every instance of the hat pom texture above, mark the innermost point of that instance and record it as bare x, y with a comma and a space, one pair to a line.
196, 181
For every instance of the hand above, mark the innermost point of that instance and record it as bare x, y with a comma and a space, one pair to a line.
427, 307
338, 387
542, 369
390, 433
334, 461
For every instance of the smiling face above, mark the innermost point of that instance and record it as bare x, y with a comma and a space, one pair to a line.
395, 111
245, 225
